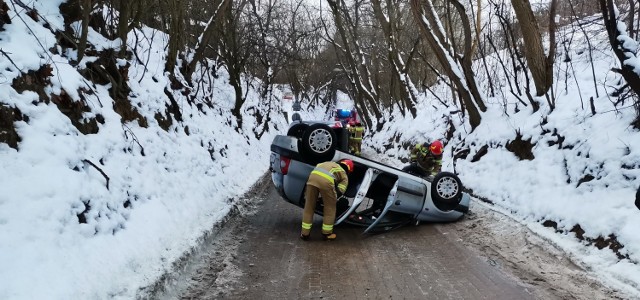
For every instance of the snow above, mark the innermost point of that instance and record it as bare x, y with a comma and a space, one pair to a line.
549, 188
166, 189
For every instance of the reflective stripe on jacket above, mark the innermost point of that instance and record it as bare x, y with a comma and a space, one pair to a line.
331, 173
427, 161
418, 150
359, 132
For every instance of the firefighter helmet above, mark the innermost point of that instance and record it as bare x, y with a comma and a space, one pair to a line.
436, 147
347, 164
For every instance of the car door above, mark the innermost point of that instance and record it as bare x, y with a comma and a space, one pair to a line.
369, 176
404, 203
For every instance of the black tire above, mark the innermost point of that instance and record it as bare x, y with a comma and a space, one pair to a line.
318, 143
297, 130
446, 191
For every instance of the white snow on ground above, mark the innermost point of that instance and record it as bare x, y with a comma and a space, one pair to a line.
165, 189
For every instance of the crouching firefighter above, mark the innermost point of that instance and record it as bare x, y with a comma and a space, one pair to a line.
426, 159
330, 180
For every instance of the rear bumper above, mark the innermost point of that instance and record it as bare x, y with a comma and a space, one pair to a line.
290, 186
278, 179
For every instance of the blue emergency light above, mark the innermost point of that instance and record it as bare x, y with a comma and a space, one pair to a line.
344, 113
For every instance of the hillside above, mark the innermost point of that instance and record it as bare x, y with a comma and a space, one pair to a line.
570, 173
103, 188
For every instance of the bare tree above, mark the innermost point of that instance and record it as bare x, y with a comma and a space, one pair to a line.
235, 51
86, 7
123, 24
574, 14
510, 37
176, 30
457, 67
478, 25
355, 61
307, 51
268, 20
208, 33
388, 21
623, 46
541, 65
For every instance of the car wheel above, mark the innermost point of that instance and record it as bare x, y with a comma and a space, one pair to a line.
297, 130
318, 142
446, 191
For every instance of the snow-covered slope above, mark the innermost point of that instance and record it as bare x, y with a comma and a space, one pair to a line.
99, 215
582, 180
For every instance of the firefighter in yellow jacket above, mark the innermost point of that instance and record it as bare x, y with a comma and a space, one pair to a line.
328, 179
356, 132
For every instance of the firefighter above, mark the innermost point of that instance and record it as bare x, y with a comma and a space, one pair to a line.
357, 137
351, 127
426, 159
330, 180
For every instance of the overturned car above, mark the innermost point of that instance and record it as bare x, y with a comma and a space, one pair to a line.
378, 197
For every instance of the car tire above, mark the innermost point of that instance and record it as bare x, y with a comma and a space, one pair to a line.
446, 191
297, 130
318, 143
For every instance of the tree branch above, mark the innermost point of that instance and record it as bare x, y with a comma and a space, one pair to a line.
99, 170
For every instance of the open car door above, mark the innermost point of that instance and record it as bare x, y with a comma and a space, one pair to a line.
404, 203
382, 201
369, 176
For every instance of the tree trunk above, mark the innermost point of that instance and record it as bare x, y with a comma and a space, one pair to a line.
86, 7
467, 57
176, 32
478, 27
432, 30
355, 60
621, 47
123, 25
207, 34
235, 81
631, 17
541, 65
388, 21
234, 54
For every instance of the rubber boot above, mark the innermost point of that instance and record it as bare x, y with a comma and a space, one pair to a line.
304, 237
329, 236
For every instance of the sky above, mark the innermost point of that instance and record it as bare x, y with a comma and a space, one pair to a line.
166, 189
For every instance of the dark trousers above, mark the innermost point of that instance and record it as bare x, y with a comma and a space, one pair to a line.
415, 169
